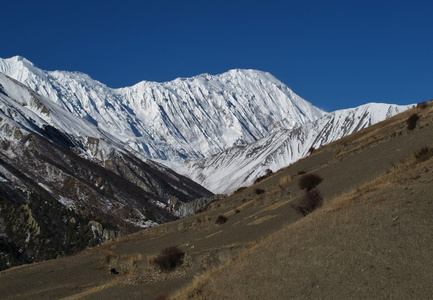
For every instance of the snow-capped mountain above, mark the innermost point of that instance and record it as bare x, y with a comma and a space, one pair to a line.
81, 162
241, 122
186, 118
244, 164
49, 151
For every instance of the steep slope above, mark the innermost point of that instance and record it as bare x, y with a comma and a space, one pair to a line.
68, 184
185, 118
241, 166
371, 238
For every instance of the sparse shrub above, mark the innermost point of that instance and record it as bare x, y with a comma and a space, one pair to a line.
411, 121
302, 172
422, 105
170, 258
309, 181
311, 150
259, 191
310, 202
200, 210
221, 219
243, 188
423, 154
268, 173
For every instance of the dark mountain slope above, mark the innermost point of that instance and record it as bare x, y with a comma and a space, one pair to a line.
43, 168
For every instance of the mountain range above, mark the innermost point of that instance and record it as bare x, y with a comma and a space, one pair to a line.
368, 237
83, 162
189, 124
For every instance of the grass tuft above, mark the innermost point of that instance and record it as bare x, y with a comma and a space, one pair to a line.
423, 154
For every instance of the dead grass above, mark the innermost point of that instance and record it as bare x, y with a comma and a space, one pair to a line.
262, 220
360, 244
368, 241
285, 180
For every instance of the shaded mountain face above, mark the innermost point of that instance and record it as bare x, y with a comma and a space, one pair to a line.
66, 185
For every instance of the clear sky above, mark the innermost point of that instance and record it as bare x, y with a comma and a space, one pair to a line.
335, 54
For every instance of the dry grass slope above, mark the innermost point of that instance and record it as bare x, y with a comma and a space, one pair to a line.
373, 242
371, 238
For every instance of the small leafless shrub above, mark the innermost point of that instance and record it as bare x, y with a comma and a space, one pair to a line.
422, 105
170, 258
268, 173
411, 121
259, 191
221, 219
423, 154
243, 188
309, 181
310, 202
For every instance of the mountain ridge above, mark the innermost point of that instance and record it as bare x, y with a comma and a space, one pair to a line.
184, 118
278, 150
76, 183
191, 120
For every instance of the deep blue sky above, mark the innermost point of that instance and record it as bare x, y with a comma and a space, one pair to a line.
335, 54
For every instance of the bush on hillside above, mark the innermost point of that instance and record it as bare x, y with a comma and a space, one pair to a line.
221, 219
422, 105
243, 188
424, 154
411, 121
309, 181
310, 202
170, 258
259, 191
268, 173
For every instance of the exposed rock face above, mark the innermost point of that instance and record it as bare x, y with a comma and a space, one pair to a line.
61, 192
75, 153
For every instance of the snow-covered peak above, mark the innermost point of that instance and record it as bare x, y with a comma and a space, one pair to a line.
200, 120
20, 69
184, 118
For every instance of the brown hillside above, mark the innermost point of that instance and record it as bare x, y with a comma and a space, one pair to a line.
372, 237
